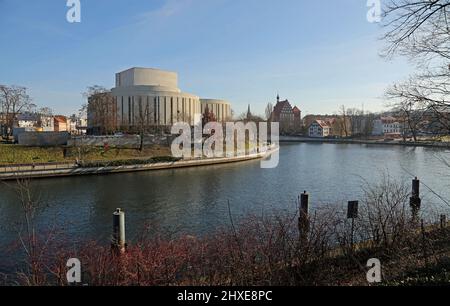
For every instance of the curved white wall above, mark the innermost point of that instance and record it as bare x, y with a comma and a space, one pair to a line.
161, 109
220, 108
147, 76
153, 96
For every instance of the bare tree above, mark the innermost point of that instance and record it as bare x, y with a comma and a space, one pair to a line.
420, 30
410, 105
144, 120
13, 101
101, 109
417, 28
269, 111
343, 121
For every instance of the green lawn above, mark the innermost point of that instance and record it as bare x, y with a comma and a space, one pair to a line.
15, 154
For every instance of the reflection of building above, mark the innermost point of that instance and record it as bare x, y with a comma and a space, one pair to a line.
220, 108
288, 117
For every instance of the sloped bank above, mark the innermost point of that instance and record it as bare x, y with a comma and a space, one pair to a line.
91, 168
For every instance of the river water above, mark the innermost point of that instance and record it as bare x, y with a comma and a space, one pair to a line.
195, 200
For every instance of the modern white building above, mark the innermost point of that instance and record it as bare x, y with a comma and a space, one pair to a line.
152, 97
220, 108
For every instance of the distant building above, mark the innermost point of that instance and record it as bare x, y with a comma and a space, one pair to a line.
145, 99
46, 123
60, 124
220, 108
387, 126
297, 119
319, 129
72, 124
288, 117
27, 120
76, 125
340, 126
39, 122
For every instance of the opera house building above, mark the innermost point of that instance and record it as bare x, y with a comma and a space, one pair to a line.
152, 97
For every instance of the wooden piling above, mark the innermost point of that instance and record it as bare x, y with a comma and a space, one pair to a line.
118, 238
352, 213
443, 221
303, 220
414, 200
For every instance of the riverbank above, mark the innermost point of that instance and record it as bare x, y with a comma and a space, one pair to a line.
259, 251
13, 154
298, 139
14, 172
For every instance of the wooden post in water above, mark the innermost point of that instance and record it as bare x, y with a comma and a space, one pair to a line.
118, 238
303, 220
352, 213
443, 221
414, 200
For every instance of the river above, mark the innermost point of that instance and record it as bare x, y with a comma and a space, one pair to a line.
195, 200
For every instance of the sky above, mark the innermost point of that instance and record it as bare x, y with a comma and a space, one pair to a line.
318, 54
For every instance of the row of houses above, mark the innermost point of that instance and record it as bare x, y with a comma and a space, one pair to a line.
48, 123
343, 126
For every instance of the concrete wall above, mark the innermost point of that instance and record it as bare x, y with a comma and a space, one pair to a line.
43, 139
19, 130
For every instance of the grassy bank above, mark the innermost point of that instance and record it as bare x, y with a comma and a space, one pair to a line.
258, 252
15, 154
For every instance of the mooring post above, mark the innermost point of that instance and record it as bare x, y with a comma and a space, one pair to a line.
414, 200
303, 220
443, 221
352, 213
118, 238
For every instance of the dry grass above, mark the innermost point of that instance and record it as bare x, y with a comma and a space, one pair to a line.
15, 154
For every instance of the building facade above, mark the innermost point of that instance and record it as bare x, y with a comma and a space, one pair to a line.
220, 108
387, 126
60, 124
151, 97
320, 129
288, 117
145, 100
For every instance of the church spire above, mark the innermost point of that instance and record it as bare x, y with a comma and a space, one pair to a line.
278, 97
249, 113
